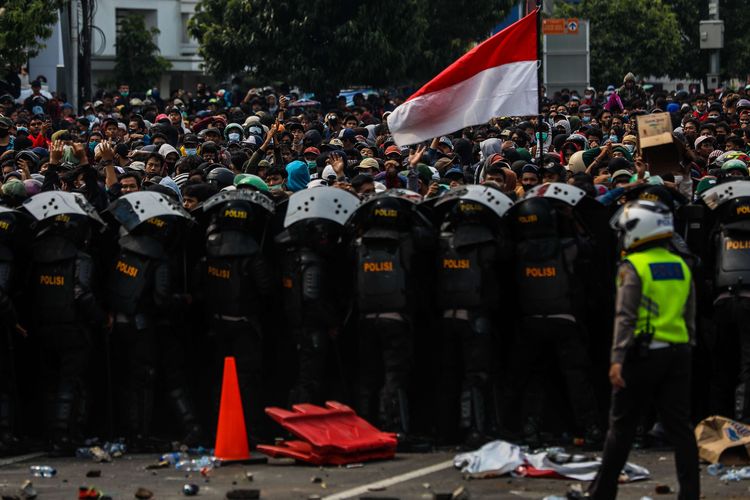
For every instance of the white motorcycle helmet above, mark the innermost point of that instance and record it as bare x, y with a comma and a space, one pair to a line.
642, 221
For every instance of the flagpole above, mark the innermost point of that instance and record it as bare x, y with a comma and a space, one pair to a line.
540, 79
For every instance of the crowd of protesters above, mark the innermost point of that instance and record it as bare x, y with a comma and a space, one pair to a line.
196, 143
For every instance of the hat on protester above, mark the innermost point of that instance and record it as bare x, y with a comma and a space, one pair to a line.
311, 151
392, 150
703, 139
369, 163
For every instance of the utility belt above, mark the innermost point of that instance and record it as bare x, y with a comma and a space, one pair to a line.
644, 343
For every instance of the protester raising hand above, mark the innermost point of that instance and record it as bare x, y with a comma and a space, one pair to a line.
416, 156
56, 152
337, 162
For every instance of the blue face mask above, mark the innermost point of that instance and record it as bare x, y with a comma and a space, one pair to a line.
91, 118
586, 119
92, 145
234, 137
191, 151
630, 147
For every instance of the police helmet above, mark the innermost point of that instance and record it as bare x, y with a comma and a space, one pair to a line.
471, 211
73, 227
643, 221
387, 211
233, 214
535, 218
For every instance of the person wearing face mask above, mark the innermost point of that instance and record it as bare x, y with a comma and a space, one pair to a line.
233, 133
311, 155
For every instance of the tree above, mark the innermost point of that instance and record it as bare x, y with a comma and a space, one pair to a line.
642, 36
328, 44
138, 62
24, 27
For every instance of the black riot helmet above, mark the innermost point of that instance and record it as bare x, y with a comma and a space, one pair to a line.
535, 218
235, 215
220, 177
75, 228
319, 234
736, 212
387, 212
8, 226
470, 211
165, 229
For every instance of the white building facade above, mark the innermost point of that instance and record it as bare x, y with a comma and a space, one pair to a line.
170, 17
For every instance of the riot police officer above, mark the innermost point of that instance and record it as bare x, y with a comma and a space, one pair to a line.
10, 220
313, 280
62, 276
236, 281
730, 237
651, 348
144, 300
390, 237
472, 249
547, 252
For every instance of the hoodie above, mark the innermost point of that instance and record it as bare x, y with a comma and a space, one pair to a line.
299, 176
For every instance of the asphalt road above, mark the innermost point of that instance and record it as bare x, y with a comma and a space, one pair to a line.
409, 476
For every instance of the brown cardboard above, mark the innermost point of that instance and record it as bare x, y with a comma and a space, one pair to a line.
656, 143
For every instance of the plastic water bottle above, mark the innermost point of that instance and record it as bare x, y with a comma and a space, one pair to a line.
174, 457
42, 471
195, 465
715, 469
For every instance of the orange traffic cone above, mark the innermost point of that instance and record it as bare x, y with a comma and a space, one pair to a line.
231, 436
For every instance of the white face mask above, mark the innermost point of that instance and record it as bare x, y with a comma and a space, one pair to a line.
234, 137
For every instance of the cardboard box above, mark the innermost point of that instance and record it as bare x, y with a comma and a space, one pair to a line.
656, 143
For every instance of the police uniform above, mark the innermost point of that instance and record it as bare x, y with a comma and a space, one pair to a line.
144, 301
654, 330
471, 255
236, 280
386, 282
313, 281
731, 301
549, 297
8, 381
62, 277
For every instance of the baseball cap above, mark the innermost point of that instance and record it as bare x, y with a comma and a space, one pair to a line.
445, 140
311, 151
621, 173
369, 163
393, 150
702, 139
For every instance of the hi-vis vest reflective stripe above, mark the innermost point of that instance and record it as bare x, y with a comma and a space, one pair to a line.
665, 287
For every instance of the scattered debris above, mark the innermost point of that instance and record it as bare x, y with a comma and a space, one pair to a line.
42, 471
316, 479
27, 490
460, 493
190, 490
249, 476
143, 494
94, 473
663, 489
355, 466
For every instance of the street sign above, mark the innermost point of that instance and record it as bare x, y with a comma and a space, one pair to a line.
553, 26
560, 26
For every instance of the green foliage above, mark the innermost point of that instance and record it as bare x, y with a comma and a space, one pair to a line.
735, 57
642, 36
24, 25
138, 62
325, 45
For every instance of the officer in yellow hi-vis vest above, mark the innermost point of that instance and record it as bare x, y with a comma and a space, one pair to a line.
651, 351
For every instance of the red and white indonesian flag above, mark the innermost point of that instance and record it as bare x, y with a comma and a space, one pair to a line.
496, 78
